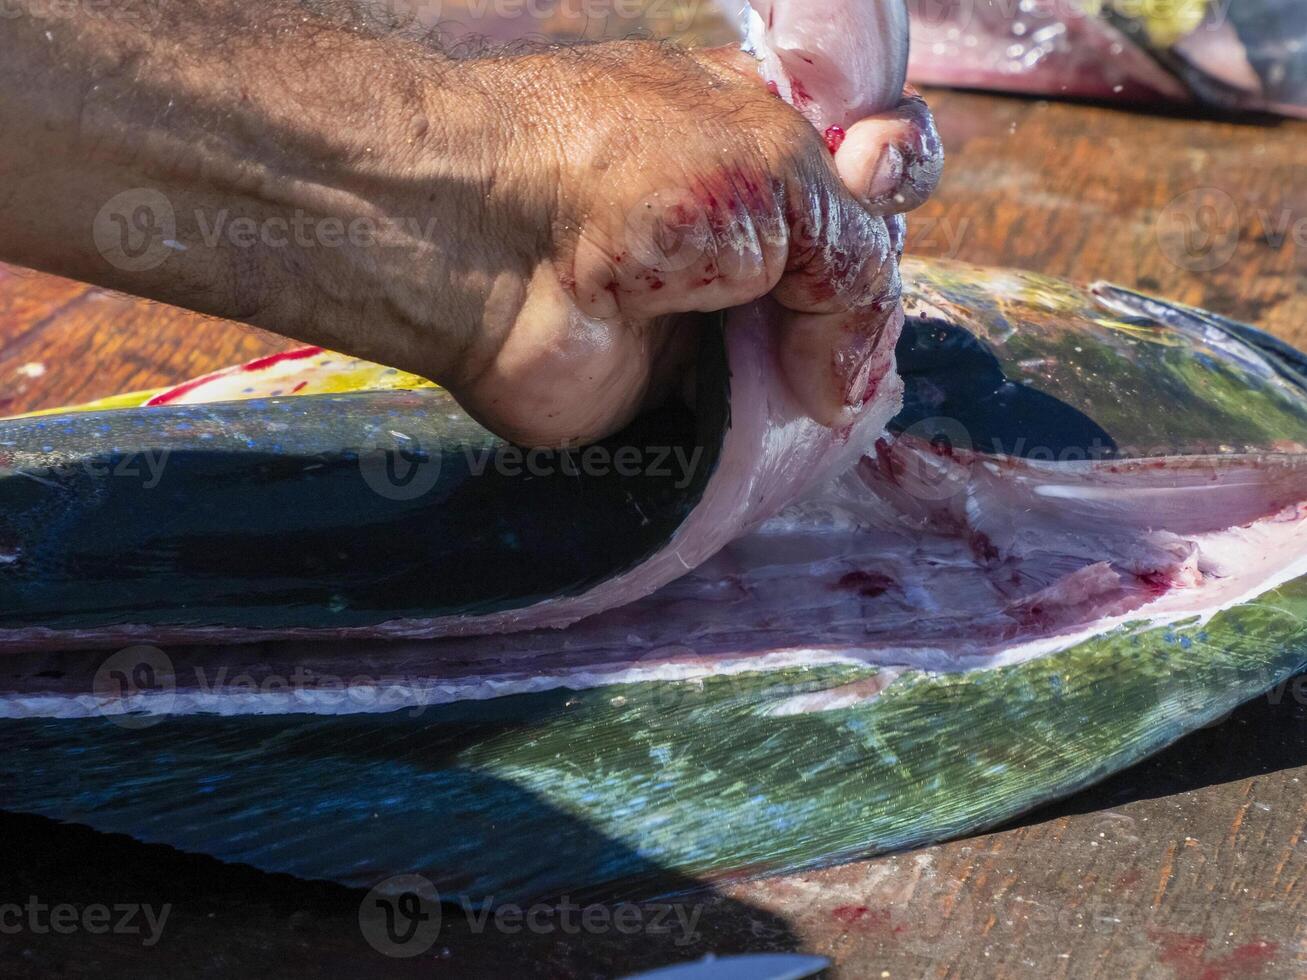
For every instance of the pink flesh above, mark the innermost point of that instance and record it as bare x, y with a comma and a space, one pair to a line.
1057, 50
908, 561
1216, 50
1046, 49
836, 63
905, 559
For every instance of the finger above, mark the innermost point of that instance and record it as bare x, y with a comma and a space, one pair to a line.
833, 363
892, 162
841, 257
840, 293
560, 377
898, 233
720, 243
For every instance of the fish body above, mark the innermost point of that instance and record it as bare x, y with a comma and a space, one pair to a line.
1065, 528
1234, 55
1082, 536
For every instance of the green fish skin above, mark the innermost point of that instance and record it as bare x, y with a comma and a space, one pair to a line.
825, 688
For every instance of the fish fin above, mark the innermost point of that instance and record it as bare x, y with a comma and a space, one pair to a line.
1289, 362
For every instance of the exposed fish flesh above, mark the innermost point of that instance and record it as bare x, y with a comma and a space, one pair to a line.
1070, 528
1084, 535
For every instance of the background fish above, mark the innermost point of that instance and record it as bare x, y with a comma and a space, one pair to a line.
1233, 55
1236, 55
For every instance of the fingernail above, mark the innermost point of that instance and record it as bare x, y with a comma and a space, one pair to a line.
888, 176
897, 225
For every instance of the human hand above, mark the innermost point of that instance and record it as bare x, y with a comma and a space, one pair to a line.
660, 182
529, 231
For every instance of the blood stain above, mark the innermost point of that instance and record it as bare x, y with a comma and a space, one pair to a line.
869, 584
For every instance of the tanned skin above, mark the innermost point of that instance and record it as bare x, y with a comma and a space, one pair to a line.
527, 230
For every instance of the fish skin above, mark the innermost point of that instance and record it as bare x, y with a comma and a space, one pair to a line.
647, 784
835, 69
644, 790
1027, 383
1239, 57
351, 762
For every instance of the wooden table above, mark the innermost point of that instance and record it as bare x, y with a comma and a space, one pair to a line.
1193, 865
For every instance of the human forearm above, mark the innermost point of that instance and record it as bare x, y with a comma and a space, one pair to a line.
253, 161
525, 229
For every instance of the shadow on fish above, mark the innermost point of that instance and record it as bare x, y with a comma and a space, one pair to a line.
1080, 538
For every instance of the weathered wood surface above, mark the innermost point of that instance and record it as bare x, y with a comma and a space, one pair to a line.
1190, 866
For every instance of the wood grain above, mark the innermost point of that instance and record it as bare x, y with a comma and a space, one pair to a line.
1191, 866
1212, 213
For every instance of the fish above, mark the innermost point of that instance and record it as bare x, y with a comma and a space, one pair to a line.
1082, 536
748, 448
1236, 56
306, 615
1231, 56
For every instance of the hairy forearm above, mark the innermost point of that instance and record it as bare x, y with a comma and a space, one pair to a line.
263, 161
527, 230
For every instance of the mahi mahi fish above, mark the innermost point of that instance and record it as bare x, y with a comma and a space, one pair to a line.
352, 635
1230, 55
1233, 55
